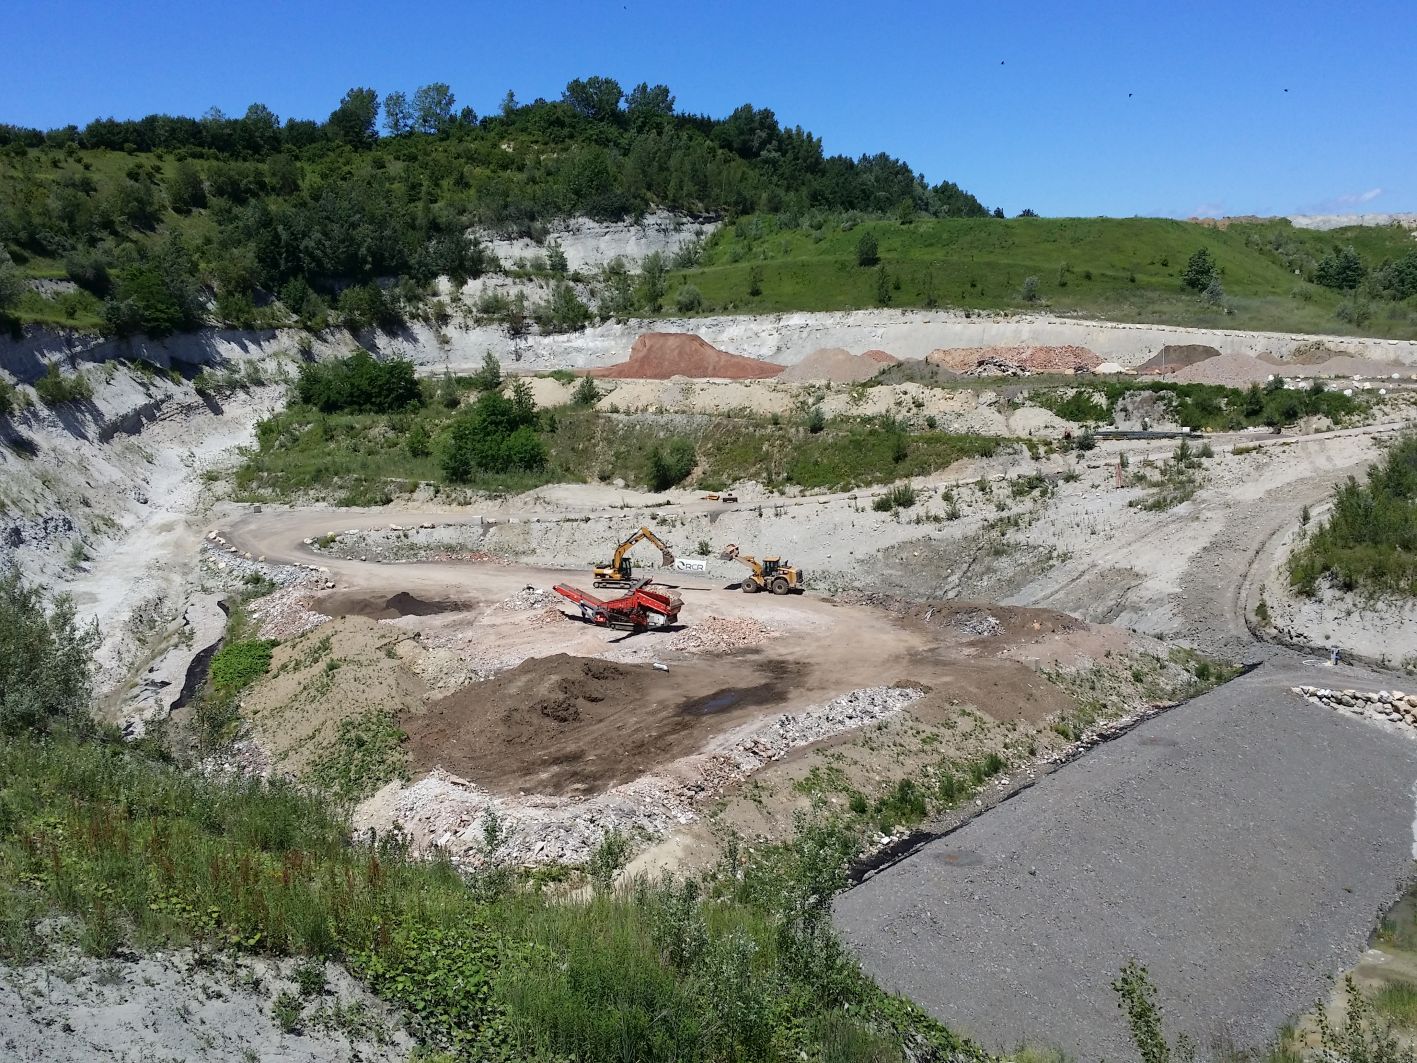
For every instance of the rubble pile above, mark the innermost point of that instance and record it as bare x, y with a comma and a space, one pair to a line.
1390, 706
719, 634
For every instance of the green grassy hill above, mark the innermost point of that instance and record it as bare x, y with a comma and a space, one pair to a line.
1125, 269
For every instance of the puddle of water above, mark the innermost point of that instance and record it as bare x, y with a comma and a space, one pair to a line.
724, 699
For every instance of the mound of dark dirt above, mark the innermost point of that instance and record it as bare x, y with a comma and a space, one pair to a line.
661, 355
1176, 356
579, 725
916, 371
358, 603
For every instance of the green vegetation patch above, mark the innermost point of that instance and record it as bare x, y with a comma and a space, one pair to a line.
1202, 407
240, 663
1368, 543
366, 753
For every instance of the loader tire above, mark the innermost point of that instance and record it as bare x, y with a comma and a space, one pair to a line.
750, 586
780, 585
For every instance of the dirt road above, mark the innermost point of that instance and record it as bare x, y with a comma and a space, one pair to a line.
1241, 847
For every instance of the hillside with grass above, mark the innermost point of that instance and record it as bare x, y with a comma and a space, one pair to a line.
1258, 275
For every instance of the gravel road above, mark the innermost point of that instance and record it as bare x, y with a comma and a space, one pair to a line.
1241, 846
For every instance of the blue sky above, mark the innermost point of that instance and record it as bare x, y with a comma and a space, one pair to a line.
1024, 104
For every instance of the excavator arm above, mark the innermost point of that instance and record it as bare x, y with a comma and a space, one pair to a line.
666, 555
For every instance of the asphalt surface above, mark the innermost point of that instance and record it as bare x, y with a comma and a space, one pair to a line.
1241, 846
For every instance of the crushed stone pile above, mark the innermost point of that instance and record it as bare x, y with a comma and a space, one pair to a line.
1067, 358
286, 614
1176, 356
835, 364
661, 355
446, 812
718, 634
1232, 370
526, 599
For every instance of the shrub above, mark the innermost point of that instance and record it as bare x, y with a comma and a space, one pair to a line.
45, 676
1369, 541
1200, 270
494, 435
489, 377
55, 388
239, 664
868, 252
1030, 289
688, 299
359, 383
900, 496
671, 464
816, 419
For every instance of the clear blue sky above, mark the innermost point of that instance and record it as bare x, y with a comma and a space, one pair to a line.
1024, 104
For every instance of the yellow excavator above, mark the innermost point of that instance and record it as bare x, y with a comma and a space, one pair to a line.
619, 571
770, 574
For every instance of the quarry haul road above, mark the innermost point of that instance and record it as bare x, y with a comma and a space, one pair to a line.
1241, 846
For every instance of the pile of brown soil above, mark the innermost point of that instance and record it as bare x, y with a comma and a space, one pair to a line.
565, 725
1067, 358
1176, 356
661, 355
835, 364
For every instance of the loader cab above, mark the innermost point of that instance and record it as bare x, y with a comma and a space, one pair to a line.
771, 566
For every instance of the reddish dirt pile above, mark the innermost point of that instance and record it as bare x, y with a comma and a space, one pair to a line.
1176, 356
835, 364
884, 357
661, 355
978, 361
565, 725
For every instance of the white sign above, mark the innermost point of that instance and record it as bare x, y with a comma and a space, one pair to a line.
685, 565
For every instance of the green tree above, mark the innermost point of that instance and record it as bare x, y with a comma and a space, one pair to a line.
433, 108
755, 280
596, 98
1030, 289
45, 660
418, 442
868, 252
653, 282
1200, 270
565, 312
1341, 269
353, 120
494, 435
883, 287
586, 393
185, 191
648, 105
489, 377
556, 258
12, 285
398, 115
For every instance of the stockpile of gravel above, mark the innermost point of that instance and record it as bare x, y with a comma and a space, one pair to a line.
837, 365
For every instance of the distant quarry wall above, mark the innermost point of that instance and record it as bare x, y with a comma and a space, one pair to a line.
782, 338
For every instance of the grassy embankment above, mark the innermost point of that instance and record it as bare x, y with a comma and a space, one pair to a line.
1120, 269
742, 965
1368, 543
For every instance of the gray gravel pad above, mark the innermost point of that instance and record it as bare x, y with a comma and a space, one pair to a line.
1241, 846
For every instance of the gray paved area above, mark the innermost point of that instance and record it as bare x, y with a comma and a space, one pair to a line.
1240, 846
